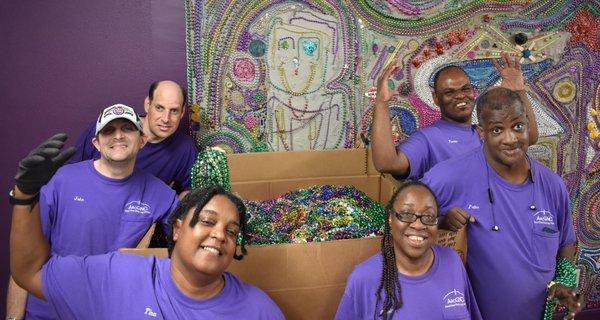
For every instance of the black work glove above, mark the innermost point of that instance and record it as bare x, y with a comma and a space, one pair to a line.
36, 169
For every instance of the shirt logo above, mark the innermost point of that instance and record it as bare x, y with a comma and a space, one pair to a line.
473, 206
79, 199
452, 141
149, 312
454, 299
137, 207
543, 217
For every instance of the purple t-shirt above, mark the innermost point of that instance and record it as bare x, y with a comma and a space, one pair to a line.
435, 143
83, 213
170, 160
443, 292
127, 286
509, 268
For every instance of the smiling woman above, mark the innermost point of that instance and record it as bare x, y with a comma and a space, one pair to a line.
412, 277
191, 284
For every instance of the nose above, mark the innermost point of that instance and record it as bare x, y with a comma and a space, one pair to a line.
218, 233
418, 224
510, 137
118, 133
459, 94
164, 117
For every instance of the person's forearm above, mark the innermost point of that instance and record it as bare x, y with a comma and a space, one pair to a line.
568, 252
29, 249
531, 119
382, 141
16, 300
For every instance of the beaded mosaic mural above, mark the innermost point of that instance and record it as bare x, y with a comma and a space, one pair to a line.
293, 75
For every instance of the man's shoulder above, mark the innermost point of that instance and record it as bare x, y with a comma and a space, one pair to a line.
182, 138
457, 165
71, 170
546, 174
542, 170
177, 141
144, 177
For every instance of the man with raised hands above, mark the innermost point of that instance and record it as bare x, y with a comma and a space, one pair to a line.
95, 206
453, 134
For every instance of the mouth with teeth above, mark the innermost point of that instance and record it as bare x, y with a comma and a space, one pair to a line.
164, 128
211, 250
462, 105
416, 240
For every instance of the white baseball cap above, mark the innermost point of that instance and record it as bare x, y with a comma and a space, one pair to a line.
118, 111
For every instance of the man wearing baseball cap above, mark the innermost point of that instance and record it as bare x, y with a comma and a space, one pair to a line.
169, 154
97, 206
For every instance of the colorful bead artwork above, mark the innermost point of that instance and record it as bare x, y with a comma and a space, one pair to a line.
318, 213
296, 75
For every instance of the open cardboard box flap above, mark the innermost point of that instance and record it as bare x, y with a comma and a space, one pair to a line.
307, 280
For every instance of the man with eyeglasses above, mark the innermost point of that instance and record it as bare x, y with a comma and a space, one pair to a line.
522, 231
97, 206
451, 135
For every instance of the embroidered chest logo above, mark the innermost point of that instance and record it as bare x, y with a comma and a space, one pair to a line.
473, 206
137, 207
454, 299
452, 141
543, 217
79, 199
149, 312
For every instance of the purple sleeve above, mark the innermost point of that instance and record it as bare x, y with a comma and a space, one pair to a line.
73, 285
416, 149
85, 150
265, 306
47, 213
565, 219
442, 189
346, 308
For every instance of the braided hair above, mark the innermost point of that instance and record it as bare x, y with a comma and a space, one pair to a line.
389, 283
196, 200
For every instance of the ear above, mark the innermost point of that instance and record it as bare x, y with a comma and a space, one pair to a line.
147, 104
143, 140
480, 131
435, 97
182, 112
176, 229
96, 143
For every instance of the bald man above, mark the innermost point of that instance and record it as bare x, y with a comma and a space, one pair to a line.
451, 135
169, 154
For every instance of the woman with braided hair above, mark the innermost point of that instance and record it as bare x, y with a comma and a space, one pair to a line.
208, 226
412, 277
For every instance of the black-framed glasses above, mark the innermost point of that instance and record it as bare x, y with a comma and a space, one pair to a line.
409, 217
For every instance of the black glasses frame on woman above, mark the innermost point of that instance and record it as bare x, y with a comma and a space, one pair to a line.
409, 217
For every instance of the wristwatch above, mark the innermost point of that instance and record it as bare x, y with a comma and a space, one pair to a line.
21, 202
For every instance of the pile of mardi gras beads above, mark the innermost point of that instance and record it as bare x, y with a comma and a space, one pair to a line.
317, 213
211, 169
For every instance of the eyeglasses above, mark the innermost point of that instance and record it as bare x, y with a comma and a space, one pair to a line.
408, 217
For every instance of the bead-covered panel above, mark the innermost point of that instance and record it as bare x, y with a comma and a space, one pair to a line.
294, 75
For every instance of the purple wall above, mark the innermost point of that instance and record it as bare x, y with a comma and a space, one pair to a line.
62, 62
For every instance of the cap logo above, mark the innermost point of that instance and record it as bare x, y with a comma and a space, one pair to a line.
118, 110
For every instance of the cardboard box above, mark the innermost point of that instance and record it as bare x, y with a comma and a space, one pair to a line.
307, 280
